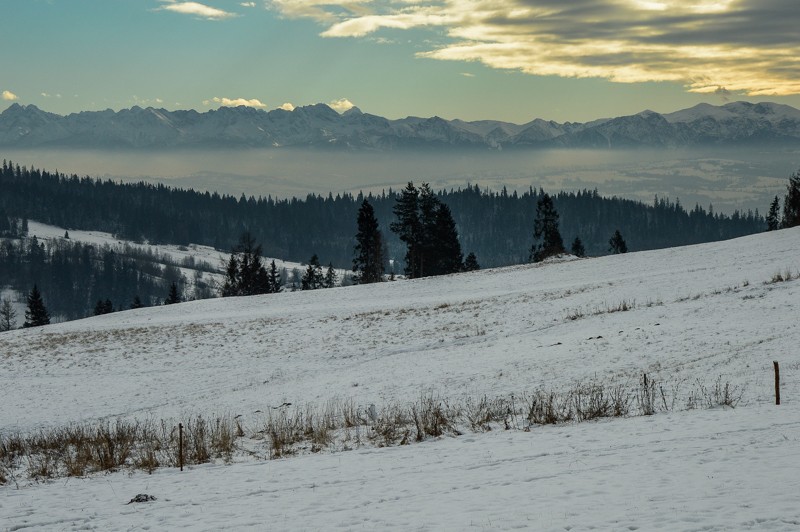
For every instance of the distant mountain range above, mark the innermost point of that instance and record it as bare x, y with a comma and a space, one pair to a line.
318, 126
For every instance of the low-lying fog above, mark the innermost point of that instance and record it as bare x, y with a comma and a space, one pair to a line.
727, 178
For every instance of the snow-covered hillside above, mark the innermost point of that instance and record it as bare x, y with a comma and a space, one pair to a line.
693, 313
202, 267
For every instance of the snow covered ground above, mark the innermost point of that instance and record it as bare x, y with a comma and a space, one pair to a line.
694, 313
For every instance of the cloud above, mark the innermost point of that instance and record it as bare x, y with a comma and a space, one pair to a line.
746, 46
287, 107
228, 102
468, 74
147, 101
723, 93
48, 95
341, 105
9, 96
326, 11
247, 4
195, 8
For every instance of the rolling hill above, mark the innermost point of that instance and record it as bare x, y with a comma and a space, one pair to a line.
684, 316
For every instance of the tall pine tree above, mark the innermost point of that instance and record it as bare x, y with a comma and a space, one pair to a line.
174, 296
8, 316
273, 278
773, 216
577, 248
408, 227
791, 203
330, 277
444, 250
368, 263
36, 314
546, 238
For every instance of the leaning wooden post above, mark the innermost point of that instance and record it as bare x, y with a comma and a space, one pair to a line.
180, 445
777, 383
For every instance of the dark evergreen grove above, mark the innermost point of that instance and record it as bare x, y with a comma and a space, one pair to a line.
426, 226
496, 226
245, 273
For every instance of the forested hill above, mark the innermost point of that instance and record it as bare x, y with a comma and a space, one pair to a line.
497, 227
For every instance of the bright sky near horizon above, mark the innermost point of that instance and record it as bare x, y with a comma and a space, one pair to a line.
511, 60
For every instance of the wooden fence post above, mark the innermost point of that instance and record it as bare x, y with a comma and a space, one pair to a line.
777, 383
180, 445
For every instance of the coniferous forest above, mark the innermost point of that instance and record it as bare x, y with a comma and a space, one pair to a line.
496, 226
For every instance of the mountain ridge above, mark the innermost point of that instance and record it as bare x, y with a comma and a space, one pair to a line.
320, 126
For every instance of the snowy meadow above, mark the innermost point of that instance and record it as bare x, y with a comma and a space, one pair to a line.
429, 404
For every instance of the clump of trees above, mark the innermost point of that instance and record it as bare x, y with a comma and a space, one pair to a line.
245, 273
616, 244
426, 226
791, 206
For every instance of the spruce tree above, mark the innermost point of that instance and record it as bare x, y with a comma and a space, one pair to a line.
444, 255
617, 243
273, 279
174, 296
36, 314
230, 287
313, 278
471, 263
8, 316
428, 256
547, 239
103, 307
408, 227
330, 277
577, 248
368, 262
791, 203
773, 216
136, 303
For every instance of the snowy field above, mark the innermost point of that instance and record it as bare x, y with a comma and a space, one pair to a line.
694, 313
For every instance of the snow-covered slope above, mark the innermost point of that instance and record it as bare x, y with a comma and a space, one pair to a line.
695, 313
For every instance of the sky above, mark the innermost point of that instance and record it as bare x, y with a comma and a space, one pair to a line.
511, 60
